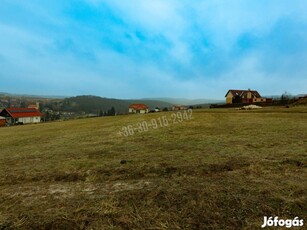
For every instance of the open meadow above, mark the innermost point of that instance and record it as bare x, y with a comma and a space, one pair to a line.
223, 169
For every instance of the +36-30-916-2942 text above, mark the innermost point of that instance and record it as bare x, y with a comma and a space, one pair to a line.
155, 123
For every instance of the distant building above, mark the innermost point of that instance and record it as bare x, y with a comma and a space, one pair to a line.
138, 108
179, 107
34, 106
21, 115
244, 96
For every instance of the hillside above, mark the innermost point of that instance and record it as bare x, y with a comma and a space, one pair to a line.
93, 104
223, 169
183, 101
84, 103
302, 101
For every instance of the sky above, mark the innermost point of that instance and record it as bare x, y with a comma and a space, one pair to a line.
153, 48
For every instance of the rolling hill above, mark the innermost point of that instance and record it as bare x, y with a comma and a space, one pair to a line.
184, 101
93, 104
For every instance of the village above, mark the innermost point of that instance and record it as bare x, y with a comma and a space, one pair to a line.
26, 111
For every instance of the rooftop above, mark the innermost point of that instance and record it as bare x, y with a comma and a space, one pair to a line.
138, 106
23, 112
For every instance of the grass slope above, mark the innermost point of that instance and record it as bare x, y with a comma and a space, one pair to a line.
224, 169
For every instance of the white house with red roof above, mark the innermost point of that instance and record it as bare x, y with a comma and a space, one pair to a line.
138, 108
21, 115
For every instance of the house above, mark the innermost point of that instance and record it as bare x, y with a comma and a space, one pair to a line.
34, 106
179, 107
244, 96
2, 121
21, 115
138, 108
157, 109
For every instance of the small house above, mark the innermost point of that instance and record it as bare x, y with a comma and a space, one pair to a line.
34, 105
21, 115
179, 107
138, 108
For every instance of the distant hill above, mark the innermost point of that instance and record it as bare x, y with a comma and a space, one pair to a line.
2, 94
184, 101
94, 104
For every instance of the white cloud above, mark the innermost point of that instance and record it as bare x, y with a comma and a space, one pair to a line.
198, 55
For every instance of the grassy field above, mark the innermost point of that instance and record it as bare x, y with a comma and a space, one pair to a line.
224, 169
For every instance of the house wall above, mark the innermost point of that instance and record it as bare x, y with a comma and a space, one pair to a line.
249, 95
229, 98
29, 120
144, 111
259, 100
138, 111
2, 122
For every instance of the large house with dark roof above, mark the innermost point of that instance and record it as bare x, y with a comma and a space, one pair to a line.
21, 115
244, 96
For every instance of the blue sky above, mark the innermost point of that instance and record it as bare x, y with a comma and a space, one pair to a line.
153, 48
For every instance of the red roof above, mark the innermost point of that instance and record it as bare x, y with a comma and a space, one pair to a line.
23, 112
138, 106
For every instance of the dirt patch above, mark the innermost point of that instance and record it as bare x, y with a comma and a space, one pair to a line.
293, 162
124, 186
70, 177
230, 165
70, 190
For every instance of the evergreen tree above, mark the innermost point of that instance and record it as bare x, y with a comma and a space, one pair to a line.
111, 112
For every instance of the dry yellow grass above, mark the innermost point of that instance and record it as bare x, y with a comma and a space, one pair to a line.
224, 169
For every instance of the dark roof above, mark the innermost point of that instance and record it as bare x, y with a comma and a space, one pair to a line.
243, 92
23, 112
138, 106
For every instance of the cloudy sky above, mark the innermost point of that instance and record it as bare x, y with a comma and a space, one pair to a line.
153, 48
